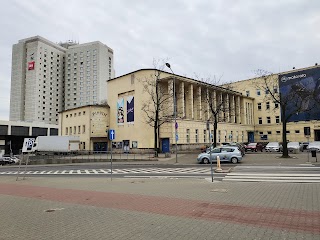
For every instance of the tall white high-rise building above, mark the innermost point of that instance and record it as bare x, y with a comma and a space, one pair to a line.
88, 67
47, 77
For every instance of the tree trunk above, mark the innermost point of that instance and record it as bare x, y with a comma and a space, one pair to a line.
285, 153
215, 127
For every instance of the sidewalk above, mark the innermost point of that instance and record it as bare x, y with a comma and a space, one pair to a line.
98, 208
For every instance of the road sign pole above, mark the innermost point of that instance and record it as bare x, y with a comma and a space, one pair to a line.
111, 159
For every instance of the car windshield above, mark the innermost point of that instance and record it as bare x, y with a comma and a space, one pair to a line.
314, 144
293, 144
273, 144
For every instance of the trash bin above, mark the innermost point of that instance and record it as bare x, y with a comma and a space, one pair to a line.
313, 153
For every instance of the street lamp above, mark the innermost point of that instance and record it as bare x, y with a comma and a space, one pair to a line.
174, 110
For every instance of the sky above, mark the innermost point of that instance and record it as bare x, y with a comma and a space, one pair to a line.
226, 39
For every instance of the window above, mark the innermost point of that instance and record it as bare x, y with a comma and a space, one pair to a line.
84, 112
196, 135
276, 105
261, 133
287, 131
260, 120
297, 131
79, 129
277, 119
83, 128
70, 130
268, 119
269, 132
66, 130
258, 92
188, 136
75, 129
204, 135
267, 105
267, 91
247, 93
259, 106
278, 132
275, 89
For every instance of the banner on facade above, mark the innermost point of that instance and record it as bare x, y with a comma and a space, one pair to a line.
130, 109
120, 111
305, 85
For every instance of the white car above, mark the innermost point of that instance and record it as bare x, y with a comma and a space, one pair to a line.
295, 146
314, 146
273, 147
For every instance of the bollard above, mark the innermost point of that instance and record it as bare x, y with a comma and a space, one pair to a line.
218, 169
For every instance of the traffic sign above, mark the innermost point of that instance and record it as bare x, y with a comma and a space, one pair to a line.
177, 137
27, 145
176, 125
112, 134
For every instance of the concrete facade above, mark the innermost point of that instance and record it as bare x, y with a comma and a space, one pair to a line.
90, 123
37, 81
192, 111
48, 77
88, 67
267, 115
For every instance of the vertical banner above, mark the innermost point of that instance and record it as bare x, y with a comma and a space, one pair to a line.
130, 109
120, 111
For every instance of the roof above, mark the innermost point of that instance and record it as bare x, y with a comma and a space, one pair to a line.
179, 76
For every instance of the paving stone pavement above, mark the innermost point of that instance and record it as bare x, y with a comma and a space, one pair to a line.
98, 208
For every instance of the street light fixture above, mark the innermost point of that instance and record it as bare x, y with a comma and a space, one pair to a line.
174, 110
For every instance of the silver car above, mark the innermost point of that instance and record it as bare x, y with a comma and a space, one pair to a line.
273, 147
226, 154
295, 146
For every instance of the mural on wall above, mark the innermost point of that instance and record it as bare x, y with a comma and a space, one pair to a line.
305, 85
130, 109
120, 111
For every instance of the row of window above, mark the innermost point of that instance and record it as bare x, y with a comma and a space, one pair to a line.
267, 91
278, 132
232, 136
75, 128
277, 120
75, 114
276, 105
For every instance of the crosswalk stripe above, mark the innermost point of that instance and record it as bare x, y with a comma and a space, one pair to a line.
118, 171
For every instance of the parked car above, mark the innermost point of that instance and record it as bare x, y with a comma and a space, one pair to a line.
240, 146
305, 145
273, 147
254, 147
292, 146
314, 146
226, 154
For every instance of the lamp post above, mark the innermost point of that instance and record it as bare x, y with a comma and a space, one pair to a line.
174, 110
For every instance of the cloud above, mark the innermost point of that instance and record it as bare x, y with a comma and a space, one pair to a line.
229, 38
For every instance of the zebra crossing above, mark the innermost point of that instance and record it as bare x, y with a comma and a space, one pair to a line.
135, 171
274, 174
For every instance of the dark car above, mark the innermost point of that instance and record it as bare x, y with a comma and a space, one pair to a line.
254, 147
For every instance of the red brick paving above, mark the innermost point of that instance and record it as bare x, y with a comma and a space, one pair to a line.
285, 219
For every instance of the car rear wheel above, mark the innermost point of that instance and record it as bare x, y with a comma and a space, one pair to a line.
234, 160
205, 160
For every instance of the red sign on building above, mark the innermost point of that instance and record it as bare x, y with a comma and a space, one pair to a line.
31, 65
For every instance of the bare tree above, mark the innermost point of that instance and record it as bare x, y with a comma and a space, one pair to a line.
218, 102
156, 108
292, 100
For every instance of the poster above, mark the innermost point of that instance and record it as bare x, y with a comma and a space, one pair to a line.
120, 111
130, 109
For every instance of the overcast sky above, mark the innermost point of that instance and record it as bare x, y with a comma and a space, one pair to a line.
228, 38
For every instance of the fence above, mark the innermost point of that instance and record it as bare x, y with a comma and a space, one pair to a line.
89, 156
